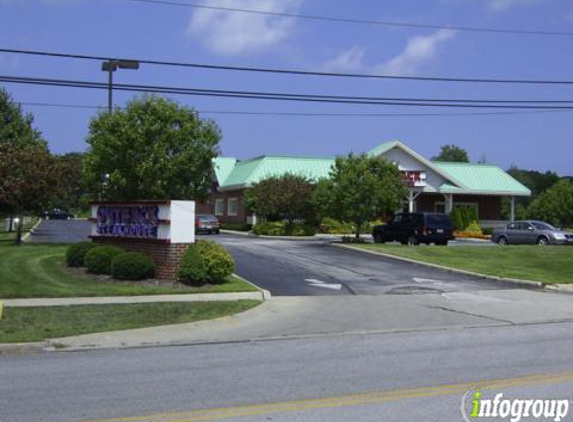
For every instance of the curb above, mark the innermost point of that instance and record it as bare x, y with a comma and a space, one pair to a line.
225, 231
31, 231
266, 295
519, 282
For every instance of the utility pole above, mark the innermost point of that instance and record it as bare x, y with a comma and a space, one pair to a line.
111, 66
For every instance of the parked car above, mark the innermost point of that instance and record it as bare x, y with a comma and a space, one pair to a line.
415, 228
57, 214
530, 232
207, 223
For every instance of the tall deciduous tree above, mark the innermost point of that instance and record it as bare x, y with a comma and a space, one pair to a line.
27, 171
288, 196
360, 189
152, 149
555, 204
452, 153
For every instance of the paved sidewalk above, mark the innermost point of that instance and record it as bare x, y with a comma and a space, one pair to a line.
199, 297
295, 317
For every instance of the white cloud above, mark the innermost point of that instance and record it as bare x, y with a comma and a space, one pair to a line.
233, 33
347, 61
419, 50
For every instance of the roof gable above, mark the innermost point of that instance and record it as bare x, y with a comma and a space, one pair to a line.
387, 146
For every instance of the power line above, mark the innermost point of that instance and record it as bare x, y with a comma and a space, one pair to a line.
289, 71
355, 21
308, 114
285, 96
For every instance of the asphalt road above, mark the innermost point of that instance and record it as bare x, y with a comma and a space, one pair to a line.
308, 268
61, 231
294, 268
419, 376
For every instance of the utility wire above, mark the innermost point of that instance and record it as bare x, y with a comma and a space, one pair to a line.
307, 114
279, 96
354, 21
289, 71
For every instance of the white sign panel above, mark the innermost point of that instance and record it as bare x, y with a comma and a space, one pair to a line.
171, 221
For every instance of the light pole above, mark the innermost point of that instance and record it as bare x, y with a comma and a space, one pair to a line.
111, 66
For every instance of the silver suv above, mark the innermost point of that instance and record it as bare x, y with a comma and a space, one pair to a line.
531, 232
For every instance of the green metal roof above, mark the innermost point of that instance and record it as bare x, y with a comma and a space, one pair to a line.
223, 166
247, 172
462, 178
481, 178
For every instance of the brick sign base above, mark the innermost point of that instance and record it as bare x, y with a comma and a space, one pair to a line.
166, 255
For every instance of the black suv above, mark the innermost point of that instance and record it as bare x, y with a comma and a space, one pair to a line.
415, 228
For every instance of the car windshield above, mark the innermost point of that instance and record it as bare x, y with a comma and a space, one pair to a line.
542, 226
207, 218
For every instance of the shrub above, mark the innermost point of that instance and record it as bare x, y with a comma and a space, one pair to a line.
332, 226
132, 266
275, 228
98, 260
76, 253
473, 228
219, 263
192, 269
237, 227
303, 230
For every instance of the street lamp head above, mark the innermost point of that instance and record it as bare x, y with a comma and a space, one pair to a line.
113, 65
128, 64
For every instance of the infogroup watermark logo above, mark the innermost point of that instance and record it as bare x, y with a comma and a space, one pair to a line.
475, 406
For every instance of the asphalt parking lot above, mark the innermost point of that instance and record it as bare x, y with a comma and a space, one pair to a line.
293, 268
308, 268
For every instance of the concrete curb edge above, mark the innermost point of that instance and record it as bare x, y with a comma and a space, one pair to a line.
515, 281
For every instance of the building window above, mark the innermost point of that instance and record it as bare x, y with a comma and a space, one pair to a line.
219, 206
233, 207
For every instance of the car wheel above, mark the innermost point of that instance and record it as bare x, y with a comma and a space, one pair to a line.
217, 231
413, 241
502, 241
378, 238
542, 241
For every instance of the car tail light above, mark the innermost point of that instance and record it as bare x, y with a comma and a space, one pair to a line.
425, 231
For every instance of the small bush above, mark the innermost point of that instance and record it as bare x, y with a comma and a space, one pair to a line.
474, 228
237, 227
275, 228
488, 231
76, 253
192, 269
98, 260
218, 261
332, 226
132, 266
303, 230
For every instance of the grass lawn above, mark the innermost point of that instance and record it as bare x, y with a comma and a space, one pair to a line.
548, 264
36, 324
38, 271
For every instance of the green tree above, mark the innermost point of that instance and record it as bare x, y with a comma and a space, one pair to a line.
360, 189
536, 181
71, 193
286, 197
27, 171
452, 153
555, 204
152, 149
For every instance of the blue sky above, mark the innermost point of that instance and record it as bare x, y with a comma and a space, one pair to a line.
127, 29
